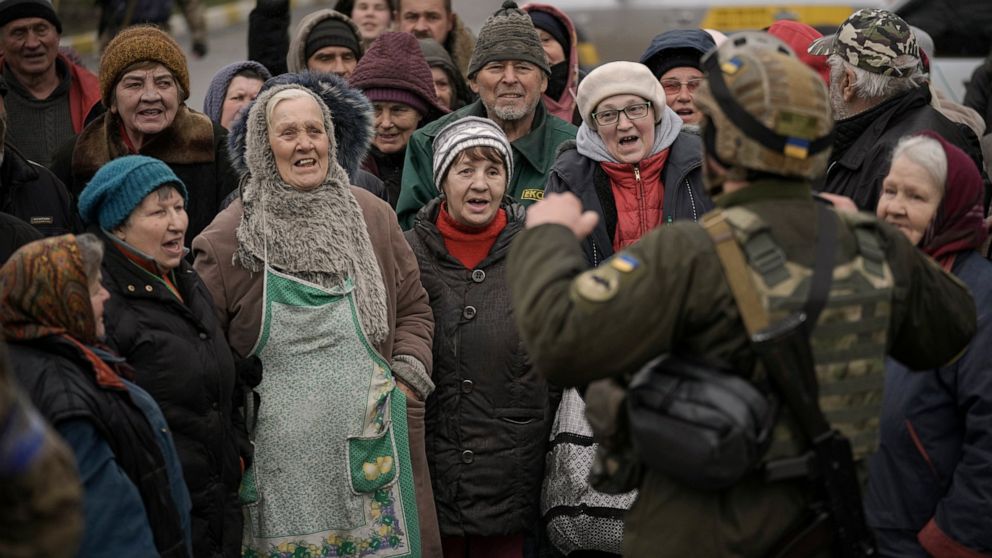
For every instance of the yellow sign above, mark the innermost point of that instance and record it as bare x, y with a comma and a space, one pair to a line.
737, 18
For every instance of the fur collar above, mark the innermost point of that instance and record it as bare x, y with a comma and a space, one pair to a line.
189, 140
319, 236
351, 109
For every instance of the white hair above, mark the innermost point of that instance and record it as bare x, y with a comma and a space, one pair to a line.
927, 153
280, 96
877, 87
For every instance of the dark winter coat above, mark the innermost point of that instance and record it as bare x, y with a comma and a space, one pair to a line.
181, 357
863, 144
930, 485
14, 233
193, 146
33, 194
489, 416
978, 95
62, 385
584, 177
268, 35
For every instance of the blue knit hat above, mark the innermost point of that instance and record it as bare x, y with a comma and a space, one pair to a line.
121, 185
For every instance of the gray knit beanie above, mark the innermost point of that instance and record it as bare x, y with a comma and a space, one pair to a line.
619, 78
465, 133
508, 34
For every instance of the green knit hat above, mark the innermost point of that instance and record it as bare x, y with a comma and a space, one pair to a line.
508, 34
121, 185
138, 44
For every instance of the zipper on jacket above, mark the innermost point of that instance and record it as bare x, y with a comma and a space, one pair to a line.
692, 201
595, 253
641, 194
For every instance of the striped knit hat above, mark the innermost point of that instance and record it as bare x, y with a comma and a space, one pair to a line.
465, 133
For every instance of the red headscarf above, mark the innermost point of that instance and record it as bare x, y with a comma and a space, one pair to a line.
44, 291
959, 224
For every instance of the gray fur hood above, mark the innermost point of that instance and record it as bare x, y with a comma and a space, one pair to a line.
296, 56
350, 109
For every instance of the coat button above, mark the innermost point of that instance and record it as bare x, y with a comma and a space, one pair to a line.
203, 335
478, 276
130, 288
468, 456
148, 288
467, 386
469, 312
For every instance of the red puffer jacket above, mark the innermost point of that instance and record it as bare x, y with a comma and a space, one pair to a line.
639, 195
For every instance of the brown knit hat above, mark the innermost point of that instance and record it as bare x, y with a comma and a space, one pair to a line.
138, 44
508, 34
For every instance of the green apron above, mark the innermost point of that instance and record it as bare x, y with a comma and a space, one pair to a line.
331, 474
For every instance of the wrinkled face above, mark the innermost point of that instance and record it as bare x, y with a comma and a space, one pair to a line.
629, 141
98, 297
30, 45
157, 227
299, 143
336, 60
394, 124
473, 189
552, 48
372, 17
146, 101
425, 19
240, 93
909, 199
680, 86
442, 86
510, 89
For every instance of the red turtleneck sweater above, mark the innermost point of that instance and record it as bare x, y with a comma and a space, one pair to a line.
469, 245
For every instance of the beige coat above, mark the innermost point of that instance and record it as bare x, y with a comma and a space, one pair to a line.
237, 295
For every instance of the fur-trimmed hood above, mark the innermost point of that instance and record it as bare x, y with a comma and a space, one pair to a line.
296, 57
350, 109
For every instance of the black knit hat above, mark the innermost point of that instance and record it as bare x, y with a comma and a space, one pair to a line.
554, 27
332, 32
508, 34
18, 9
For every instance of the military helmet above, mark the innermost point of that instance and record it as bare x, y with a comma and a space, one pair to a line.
765, 110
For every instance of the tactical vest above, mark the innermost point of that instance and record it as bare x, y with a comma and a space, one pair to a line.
850, 338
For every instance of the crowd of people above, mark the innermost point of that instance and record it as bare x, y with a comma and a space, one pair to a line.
384, 295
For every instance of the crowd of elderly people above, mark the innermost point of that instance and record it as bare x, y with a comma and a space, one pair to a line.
281, 326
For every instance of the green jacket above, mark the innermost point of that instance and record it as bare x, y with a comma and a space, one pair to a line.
667, 293
533, 156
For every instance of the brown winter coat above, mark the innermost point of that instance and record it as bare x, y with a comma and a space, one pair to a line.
237, 295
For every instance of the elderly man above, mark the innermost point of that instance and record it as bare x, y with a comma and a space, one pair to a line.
50, 96
434, 19
509, 72
879, 94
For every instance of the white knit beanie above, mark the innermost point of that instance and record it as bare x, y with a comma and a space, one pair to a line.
619, 78
465, 133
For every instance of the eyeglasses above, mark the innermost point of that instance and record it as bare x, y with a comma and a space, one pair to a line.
673, 86
611, 116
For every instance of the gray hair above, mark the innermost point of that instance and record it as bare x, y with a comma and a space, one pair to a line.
927, 153
877, 87
280, 96
91, 252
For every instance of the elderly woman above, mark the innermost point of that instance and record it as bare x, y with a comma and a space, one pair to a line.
144, 83
314, 277
490, 414
644, 171
161, 319
930, 483
394, 75
51, 308
674, 59
233, 88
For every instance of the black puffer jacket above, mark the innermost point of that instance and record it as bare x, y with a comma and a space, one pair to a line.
32, 193
182, 359
682, 176
489, 416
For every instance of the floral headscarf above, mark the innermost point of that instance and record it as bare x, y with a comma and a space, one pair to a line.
44, 291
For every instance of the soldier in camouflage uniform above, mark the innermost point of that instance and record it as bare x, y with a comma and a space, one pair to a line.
879, 94
668, 294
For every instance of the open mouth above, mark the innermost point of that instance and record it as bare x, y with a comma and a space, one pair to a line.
477, 204
685, 112
174, 247
628, 140
387, 137
150, 113
305, 163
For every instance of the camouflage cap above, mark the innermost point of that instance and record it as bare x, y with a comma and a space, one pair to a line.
874, 40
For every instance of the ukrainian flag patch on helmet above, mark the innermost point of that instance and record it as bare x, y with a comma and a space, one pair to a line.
797, 148
731, 66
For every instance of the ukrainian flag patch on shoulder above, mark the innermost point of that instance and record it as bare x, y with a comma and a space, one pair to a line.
625, 263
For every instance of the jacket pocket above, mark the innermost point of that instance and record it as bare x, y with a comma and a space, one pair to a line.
372, 461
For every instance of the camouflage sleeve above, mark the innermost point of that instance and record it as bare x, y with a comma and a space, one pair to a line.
933, 314
584, 324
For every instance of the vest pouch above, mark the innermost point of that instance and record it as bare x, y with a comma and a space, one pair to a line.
700, 426
372, 461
